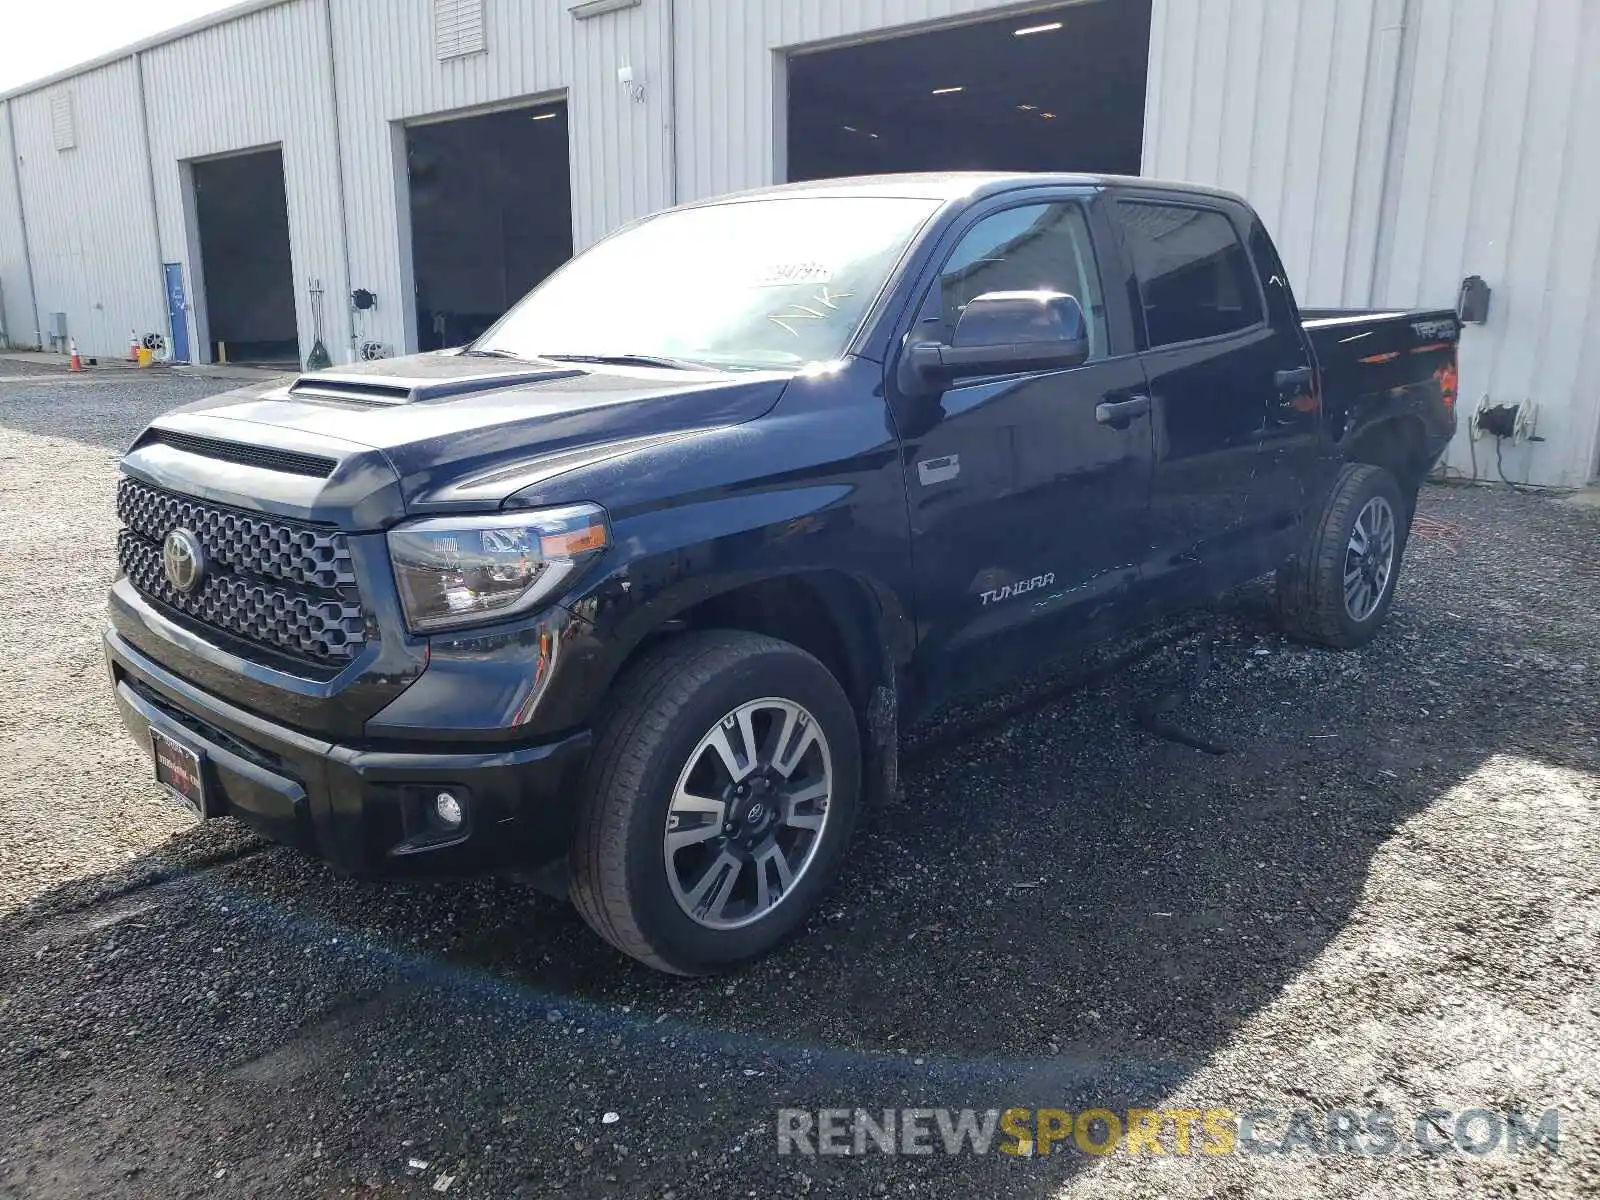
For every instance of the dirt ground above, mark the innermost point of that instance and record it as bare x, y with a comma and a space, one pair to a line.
1383, 899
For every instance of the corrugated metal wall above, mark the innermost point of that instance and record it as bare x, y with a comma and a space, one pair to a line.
258, 81
389, 73
1498, 170
88, 211
16, 305
1393, 145
731, 97
1396, 146
1269, 100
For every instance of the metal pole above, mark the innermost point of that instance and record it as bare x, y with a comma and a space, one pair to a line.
338, 157
1381, 235
155, 214
22, 220
672, 101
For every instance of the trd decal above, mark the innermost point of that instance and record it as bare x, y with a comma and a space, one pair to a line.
1433, 331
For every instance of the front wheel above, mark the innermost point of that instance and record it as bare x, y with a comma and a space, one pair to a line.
721, 795
1338, 589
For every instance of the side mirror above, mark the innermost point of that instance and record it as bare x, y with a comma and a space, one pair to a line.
1004, 332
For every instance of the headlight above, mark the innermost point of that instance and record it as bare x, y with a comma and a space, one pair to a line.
462, 570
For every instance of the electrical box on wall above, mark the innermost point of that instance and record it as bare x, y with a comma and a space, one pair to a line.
1472, 304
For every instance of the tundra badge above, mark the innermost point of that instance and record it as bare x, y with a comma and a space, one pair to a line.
1018, 588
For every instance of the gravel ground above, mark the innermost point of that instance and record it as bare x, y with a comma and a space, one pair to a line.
1385, 895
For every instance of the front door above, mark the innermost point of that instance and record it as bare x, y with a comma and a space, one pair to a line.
1027, 506
177, 312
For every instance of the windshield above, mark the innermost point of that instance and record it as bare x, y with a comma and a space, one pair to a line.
771, 283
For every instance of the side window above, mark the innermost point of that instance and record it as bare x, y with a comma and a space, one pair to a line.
1037, 246
1269, 270
1194, 275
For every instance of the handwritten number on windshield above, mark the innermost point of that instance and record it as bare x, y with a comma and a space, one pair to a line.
825, 296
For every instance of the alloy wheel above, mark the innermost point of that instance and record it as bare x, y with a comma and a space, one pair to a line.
1369, 559
748, 813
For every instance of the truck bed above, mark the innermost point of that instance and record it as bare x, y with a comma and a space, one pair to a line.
1376, 364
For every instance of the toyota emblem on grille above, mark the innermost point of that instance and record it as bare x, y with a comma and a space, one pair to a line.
183, 559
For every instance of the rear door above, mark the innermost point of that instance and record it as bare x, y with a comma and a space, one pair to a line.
1027, 511
1224, 500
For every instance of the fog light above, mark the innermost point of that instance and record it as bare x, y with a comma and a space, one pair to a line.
449, 810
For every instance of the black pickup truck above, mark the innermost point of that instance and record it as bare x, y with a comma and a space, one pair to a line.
646, 580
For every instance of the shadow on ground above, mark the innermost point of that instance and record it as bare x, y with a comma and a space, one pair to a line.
1064, 911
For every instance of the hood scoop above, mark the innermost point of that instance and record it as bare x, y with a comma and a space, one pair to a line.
268, 458
417, 380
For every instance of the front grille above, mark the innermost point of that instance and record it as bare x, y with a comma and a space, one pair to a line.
247, 543
282, 585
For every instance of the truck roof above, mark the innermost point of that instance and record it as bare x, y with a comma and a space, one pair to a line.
957, 185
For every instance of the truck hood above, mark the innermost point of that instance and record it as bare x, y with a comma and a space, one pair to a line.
363, 446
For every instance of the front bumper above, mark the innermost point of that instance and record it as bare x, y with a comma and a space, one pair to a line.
363, 809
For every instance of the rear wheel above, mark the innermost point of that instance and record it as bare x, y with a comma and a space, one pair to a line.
721, 796
1338, 589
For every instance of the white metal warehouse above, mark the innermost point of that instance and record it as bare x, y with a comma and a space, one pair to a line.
434, 157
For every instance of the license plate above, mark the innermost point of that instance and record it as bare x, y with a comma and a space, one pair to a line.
178, 770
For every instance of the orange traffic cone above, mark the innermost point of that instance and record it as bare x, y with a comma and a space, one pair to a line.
133, 346
77, 363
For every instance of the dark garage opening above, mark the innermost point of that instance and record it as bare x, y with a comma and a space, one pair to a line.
491, 215
1055, 90
242, 218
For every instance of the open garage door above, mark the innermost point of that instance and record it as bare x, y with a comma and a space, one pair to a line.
1054, 90
491, 215
242, 221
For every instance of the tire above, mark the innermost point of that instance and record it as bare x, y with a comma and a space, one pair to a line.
1312, 600
654, 903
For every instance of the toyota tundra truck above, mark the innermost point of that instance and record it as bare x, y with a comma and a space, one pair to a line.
641, 586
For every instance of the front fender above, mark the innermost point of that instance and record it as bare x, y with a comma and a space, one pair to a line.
813, 490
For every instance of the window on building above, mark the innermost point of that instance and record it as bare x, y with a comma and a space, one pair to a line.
1037, 246
1194, 275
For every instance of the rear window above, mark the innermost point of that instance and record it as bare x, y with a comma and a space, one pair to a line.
1194, 275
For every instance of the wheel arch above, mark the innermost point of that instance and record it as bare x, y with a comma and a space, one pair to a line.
1398, 444
856, 627
853, 627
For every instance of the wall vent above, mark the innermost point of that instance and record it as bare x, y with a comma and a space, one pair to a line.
63, 128
458, 28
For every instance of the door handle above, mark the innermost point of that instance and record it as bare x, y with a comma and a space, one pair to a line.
1119, 414
938, 470
1296, 378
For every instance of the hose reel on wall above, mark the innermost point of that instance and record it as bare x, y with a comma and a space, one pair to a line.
1514, 423
363, 301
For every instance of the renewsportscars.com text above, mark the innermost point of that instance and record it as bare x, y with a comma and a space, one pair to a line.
1024, 1132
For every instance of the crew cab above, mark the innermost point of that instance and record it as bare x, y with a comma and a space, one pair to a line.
646, 580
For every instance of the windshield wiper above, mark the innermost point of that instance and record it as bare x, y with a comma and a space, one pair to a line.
627, 360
